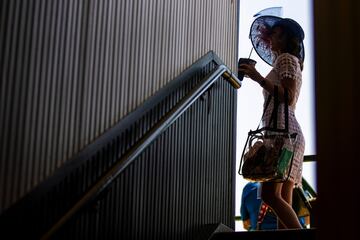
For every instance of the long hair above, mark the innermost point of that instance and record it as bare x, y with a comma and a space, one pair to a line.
292, 44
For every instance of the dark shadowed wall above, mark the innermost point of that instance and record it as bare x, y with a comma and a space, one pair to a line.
337, 49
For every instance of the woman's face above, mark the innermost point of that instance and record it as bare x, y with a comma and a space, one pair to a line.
277, 40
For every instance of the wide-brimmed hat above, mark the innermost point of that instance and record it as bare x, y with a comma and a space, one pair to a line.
261, 30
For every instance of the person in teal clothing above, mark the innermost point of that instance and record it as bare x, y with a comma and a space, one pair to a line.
250, 207
255, 214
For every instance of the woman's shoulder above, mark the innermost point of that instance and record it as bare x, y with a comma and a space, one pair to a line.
286, 56
286, 60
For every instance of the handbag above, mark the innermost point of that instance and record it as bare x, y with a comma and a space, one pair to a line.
303, 199
269, 151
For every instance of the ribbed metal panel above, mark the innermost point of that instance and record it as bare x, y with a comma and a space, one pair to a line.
71, 69
182, 182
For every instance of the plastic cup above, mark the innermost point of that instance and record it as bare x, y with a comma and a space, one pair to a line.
244, 61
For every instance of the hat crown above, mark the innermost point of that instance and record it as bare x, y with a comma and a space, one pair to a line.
292, 27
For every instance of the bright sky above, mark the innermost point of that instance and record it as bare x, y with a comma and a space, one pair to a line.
250, 97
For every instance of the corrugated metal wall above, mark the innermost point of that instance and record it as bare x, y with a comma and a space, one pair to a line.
181, 182
70, 69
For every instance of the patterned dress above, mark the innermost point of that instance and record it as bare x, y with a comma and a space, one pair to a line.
287, 65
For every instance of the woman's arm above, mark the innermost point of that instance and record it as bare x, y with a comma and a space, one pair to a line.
286, 82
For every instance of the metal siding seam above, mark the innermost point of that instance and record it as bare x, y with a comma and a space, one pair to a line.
170, 175
47, 127
196, 157
198, 37
160, 44
116, 69
25, 103
152, 189
171, 47
157, 179
109, 66
164, 63
218, 166
156, 46
152, 48
125, 65
138, 188
37, 102
91, 100
29, 107
232, 156
132, 45
190, 169
76, 87
146, 68
101, 81
141, 53
174, 186
94, 107
224, 119
139, 63
4, 26
221, 125
180, 162
176, 48
113, 64
93, 95
81, 66
59, 158
53, 116
160, 185
183, 36
138, 55
67, 128
10, 70
223, 164
32, 111
43, 94
5, 29
213, 177
18, 108
214, 162
184, 158
228, 151
145, 175
167, 180
64, 91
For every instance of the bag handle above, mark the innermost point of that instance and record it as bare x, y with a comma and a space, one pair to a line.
266, 106
274, 114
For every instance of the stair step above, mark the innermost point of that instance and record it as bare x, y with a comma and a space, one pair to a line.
288, 234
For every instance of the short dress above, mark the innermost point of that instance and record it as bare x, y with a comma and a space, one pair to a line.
287, 65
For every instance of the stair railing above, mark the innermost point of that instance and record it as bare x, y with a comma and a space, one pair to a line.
145, 141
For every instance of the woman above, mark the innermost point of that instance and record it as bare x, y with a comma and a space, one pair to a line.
279, 42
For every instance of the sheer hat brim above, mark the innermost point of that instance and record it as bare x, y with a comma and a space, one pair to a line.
260, 31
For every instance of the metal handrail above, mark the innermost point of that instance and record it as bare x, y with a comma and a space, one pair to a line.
145, 141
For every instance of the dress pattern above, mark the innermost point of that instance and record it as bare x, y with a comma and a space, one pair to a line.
288, 66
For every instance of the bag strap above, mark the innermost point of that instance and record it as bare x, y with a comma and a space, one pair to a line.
266, 106
286, 109
275, 108
274, 114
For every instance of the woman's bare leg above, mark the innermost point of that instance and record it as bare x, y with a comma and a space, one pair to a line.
274, 195
286, 194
